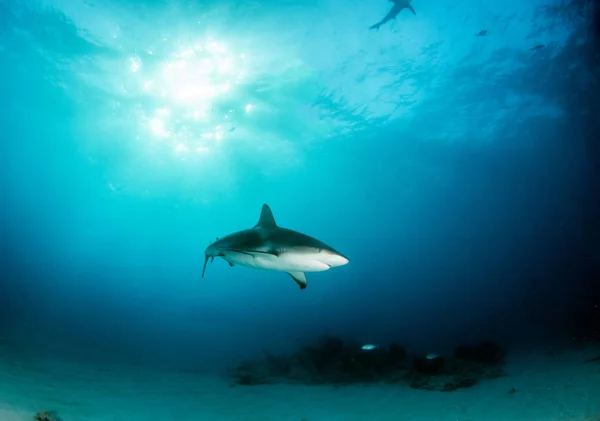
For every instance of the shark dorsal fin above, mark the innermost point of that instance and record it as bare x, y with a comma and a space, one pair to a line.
266, 217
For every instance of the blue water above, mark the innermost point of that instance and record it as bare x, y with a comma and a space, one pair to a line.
455, 171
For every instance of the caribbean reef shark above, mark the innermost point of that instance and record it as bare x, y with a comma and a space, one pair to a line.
271, 247
399, 5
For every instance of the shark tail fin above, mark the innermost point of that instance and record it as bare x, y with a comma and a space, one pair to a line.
205, 262
266, 217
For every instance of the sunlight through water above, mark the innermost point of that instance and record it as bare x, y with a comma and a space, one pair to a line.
190, 92
196, 93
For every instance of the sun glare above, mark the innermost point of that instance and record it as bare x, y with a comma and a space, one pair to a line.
196, 89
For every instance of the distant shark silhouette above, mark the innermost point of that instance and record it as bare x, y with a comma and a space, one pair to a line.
399, 5
271, 247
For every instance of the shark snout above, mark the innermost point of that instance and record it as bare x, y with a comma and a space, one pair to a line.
333, 259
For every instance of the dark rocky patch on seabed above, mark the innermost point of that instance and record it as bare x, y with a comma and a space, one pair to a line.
335, 362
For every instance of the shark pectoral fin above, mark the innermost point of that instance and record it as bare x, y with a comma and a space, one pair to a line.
230, 264
412, 9
300, 278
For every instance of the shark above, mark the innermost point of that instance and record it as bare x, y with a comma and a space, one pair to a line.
399, 5
272, 247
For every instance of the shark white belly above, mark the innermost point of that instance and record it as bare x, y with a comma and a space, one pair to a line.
285, 262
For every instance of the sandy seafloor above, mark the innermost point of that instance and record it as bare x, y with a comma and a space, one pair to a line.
548, 387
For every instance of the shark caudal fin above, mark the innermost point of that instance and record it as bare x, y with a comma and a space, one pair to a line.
266, 217
206, 261
204, 268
